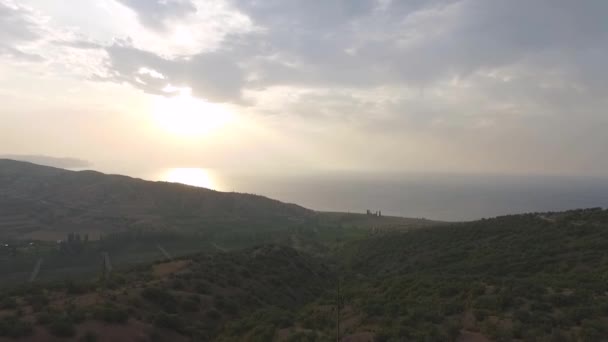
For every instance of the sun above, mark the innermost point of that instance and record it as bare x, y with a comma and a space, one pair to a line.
186, 116
190, 176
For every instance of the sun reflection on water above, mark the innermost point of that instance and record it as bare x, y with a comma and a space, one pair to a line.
190, 176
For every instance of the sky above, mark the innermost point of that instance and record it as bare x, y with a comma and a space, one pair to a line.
290, 86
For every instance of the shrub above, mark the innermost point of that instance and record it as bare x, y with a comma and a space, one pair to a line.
44, 317
451, 308
8, 303
382, 336
171, 322
263, 333
178, 284
480, 315
488, 302
111, 314
303, 336
12, 326
191, 304
523, 316
89, 336
161, 297
225, 305
76, 288
75, 314
62, 327
202, 287
213, 315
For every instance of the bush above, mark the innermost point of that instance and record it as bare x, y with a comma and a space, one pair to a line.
171, 322
12, 326
523, 316
303, 336
213, 315
191, 304
481, 315
488, 302
77, 315
452, 308
383, 336
202, 287
178, 284
89, 336
62, 327
44, 317
111, 314
8, 303
263, 333
161, 297
74, 288
225, 305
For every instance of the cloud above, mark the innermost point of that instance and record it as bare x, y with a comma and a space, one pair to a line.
18, 26
81, 44
28, 36
214, 76
17, 22
361, 44
304, 15
413, 44
20, 55
64, 163
481, 79
155, 14
369, 44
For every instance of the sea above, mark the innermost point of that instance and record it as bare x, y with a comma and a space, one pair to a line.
437, 196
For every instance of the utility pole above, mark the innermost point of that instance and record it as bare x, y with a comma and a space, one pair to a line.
338, 313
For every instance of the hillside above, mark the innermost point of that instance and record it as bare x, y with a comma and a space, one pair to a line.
270, 271
532, 277
140, 221
45, 203
226, 296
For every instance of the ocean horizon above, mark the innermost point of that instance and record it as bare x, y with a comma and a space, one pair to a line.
446, 197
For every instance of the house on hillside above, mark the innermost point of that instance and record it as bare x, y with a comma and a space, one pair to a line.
377, 213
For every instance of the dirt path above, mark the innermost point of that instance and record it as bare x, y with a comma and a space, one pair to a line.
165, 253
295, 242
547, 219
106, 262
221, 249
36, 270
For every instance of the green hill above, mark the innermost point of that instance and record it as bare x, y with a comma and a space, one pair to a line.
226, 296
271, 271
46, 203
531, 277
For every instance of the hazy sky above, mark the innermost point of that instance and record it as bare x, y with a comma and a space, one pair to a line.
308, 86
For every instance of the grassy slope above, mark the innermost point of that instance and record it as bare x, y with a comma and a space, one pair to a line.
35, 200
45, 203
529, 277
317, 236
536, 277
533, 277
226, 296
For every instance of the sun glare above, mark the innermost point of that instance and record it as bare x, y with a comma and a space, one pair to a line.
183, 36
186, 116
190, 176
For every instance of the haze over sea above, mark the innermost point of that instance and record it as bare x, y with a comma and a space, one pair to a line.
452, 197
